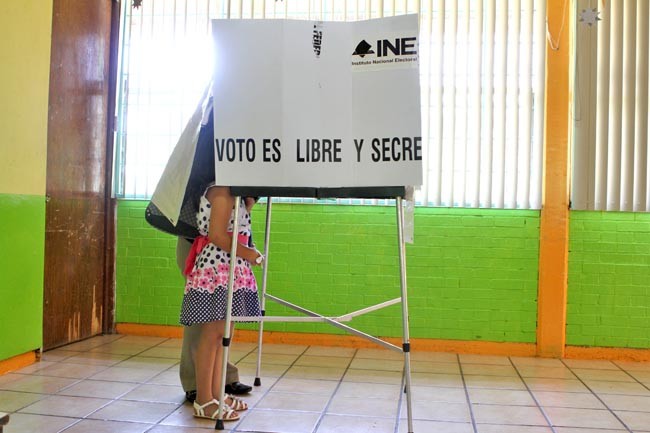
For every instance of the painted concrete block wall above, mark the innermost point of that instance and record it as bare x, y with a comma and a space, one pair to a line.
21, 273
472, 274
24, 85
609, 274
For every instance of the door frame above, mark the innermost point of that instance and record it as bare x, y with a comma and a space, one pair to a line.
108, 320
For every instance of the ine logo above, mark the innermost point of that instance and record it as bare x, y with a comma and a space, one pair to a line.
362, 49
317, 38
398, 47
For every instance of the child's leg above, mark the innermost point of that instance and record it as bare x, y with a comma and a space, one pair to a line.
206, 354
208, 372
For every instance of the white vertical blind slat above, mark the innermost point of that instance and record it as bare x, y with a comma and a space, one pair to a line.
646, 116
437, 131
615, 107
500, 81
628, 103
488, 95
513, 78
449, 104
526, 114
602, 110
475, 109
425, 80
641, 109
462, 105
539, 88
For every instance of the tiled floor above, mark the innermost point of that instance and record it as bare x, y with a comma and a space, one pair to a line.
125, 384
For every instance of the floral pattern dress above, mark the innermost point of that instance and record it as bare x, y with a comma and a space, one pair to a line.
206, 289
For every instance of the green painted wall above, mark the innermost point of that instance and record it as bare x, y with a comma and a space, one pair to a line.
22, 218
24, 91
609, 280
472, 274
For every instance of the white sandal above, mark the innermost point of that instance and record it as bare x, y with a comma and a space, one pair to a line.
237, 404
228, 413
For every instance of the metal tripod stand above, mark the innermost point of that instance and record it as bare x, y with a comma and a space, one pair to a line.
310, 316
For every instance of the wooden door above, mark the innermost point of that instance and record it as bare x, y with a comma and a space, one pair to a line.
78, 288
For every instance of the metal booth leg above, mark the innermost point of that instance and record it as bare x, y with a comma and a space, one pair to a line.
406, 346
226, 333
265, 271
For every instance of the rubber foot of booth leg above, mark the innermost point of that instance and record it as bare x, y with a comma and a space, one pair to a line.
257, 382
219, 425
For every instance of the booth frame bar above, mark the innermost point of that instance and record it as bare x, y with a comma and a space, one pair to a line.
313, 316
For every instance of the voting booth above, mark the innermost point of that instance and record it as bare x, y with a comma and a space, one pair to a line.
318, 109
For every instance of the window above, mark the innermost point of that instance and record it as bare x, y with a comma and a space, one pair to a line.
482, 83
610, 135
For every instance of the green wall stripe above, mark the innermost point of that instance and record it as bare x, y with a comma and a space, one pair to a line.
472, 274
22, 243
608, 301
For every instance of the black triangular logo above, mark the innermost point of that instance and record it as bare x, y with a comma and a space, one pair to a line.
362, 49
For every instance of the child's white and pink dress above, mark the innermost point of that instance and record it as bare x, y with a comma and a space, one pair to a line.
206, 289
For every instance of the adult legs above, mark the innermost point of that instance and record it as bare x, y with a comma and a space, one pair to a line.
187, 370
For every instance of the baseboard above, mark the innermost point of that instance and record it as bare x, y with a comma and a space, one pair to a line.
334, 340
607, 353
149, 330
17, 362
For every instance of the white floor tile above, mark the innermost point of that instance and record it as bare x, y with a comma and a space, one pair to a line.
130, 384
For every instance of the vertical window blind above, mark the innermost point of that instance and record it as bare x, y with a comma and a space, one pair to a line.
610, 145
481, 79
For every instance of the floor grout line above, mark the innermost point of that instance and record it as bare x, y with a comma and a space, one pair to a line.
117, 398
469, 401
632, 376
400, 401
595, 394
320, 416
336, 388
238, 423
532, 395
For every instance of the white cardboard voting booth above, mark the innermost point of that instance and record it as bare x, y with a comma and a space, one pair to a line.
319, 109
317, 104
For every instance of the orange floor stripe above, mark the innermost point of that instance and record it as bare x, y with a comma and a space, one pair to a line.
332, 340
17, 362
149, 330
417, 344
607, 353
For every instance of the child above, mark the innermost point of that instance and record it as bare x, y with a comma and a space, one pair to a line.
204, 301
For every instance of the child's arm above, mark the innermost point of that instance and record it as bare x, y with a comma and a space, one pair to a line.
221, 203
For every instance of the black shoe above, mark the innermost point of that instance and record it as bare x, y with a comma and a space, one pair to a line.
190, 396
238, 388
